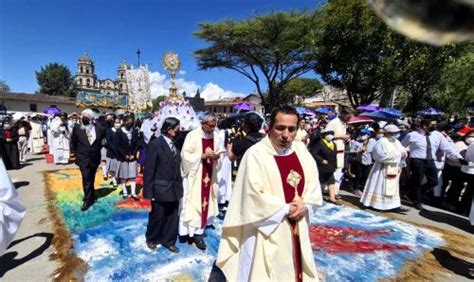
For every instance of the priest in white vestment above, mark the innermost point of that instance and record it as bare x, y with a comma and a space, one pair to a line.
60, 139
382, 190
265, 236
36, 135
200, 163
12, 211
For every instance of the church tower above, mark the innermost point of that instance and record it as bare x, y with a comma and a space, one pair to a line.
121, 81
85, 75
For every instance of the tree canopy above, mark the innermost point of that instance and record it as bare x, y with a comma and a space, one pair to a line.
356, 51
301, 87
4, 87
269, 50
55, 79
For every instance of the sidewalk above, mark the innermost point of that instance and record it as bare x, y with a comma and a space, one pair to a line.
27, 259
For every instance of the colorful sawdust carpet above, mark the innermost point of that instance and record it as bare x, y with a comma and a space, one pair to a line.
348, 244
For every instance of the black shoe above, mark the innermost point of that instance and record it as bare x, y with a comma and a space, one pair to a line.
199, 242
419, 206
400, 210
183, 239
151, 245
172, 248
86, 206
135, 198
334, 202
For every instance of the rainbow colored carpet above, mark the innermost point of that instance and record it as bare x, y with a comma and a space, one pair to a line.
348, 244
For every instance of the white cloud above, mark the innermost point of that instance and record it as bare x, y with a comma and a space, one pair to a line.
160, 84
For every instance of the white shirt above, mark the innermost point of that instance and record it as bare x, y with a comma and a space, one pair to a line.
469, 157
416, 143
170, 143
90, 132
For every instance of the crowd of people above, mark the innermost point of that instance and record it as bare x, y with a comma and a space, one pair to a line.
231, 169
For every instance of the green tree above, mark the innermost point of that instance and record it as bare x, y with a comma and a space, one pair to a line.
269, 50
350, 42
359, 53
302, 87
156, 102
4, 87
456, 87
55, 79
422, 72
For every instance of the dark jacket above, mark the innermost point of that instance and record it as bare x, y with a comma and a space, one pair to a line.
125, 148
321, 152
111, 143
87, 154
162, 175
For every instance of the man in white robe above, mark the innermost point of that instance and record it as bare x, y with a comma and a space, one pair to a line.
36, 135
60, 139
302, 135
265, 236
12, 210
382, 190
200, 162
224, 174
339, 127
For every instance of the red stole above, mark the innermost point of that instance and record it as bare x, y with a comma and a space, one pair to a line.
206, 180
289, 165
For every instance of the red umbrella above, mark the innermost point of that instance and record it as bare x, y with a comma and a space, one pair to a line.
360, 119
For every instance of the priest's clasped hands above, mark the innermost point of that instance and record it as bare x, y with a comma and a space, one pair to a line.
297, 211
210, 154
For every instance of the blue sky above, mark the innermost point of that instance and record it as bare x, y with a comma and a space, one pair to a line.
36, 32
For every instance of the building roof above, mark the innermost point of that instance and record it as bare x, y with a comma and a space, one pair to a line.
37, 98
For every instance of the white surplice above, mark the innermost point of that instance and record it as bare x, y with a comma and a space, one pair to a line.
224, 174
12, 210
386, 153
60, 141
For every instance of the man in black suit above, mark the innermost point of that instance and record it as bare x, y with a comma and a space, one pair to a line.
86, 142
163, 185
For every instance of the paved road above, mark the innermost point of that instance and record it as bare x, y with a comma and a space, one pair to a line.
28, 259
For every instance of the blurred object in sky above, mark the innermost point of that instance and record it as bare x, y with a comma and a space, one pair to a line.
436, 22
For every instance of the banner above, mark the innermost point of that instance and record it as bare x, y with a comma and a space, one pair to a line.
138, 83
90, 99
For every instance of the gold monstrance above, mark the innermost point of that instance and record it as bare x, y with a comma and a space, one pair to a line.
171, 63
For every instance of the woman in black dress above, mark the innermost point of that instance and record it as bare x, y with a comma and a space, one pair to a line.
9, 137
324, 151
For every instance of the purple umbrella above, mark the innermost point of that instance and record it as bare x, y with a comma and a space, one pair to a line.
368, 108
243, 106
52, 110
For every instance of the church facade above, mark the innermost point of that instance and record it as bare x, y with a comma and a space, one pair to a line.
86, 80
